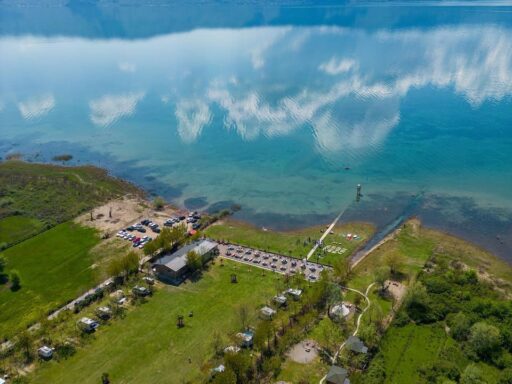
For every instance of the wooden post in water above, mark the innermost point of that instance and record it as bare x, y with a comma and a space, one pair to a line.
358, 193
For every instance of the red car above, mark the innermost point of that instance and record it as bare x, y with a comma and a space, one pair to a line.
136, 240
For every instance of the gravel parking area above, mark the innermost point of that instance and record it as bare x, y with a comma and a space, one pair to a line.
273, 262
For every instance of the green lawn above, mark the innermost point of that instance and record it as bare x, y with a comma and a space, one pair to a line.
147, 347
55, 266
407, 348
293, 372
410, 243
295, 243
17, 228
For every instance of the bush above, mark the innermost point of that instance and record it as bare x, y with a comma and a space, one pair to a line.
65, 350
472, 375
377, 372
401, 319
484, 340
15, 281
158, 203
506, 376
459, 326
440, 369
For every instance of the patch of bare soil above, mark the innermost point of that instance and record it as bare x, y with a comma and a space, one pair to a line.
396, 289
120, 213
304, 352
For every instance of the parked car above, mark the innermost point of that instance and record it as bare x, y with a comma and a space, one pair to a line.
156, 229
145, 222
141, 230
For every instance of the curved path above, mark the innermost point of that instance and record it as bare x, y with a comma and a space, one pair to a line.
365, 295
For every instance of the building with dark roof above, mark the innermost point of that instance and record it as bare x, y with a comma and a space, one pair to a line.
337, 375
356, 345
172, 268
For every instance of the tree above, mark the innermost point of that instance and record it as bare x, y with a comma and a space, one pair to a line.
3, 263
395, 262
370, 335
158, 203
194, 261
217, 342
115, 268
15, 281
124, 266
334, 295
472, 375
459, 326
170, 237
380, 276
105, 379
341, 270
506, 376
484, 339
150, 248
263, 334
241, 364
131, 262
418, 304
24, 343
243, 315
226, 377
377, 372
331, 336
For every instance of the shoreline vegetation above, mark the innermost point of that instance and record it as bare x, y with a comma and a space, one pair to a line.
422, 284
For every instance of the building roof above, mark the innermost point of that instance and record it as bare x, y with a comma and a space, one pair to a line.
294, 292
356, 345
268, 311
178, 260
340, 310
87, 321
245, 336
219, 369
337, 375
45, 350
231, 349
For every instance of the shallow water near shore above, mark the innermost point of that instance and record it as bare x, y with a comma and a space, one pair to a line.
281, 109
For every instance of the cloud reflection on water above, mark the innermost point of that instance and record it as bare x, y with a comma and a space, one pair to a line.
475, 62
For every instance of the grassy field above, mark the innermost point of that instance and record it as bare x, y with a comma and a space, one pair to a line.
147, 347
294, 243
54, 266
54, 194
293, 372
17, 228
407, 348
411, 244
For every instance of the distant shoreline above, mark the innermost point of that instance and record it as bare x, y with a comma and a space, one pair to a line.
311, 221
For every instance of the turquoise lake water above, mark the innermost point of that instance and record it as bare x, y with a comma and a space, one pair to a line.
281, 109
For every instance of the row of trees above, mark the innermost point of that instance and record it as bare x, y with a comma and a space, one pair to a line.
272, 338
167, 241
124, 266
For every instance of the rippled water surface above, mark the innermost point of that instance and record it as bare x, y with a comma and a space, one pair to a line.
282, 109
